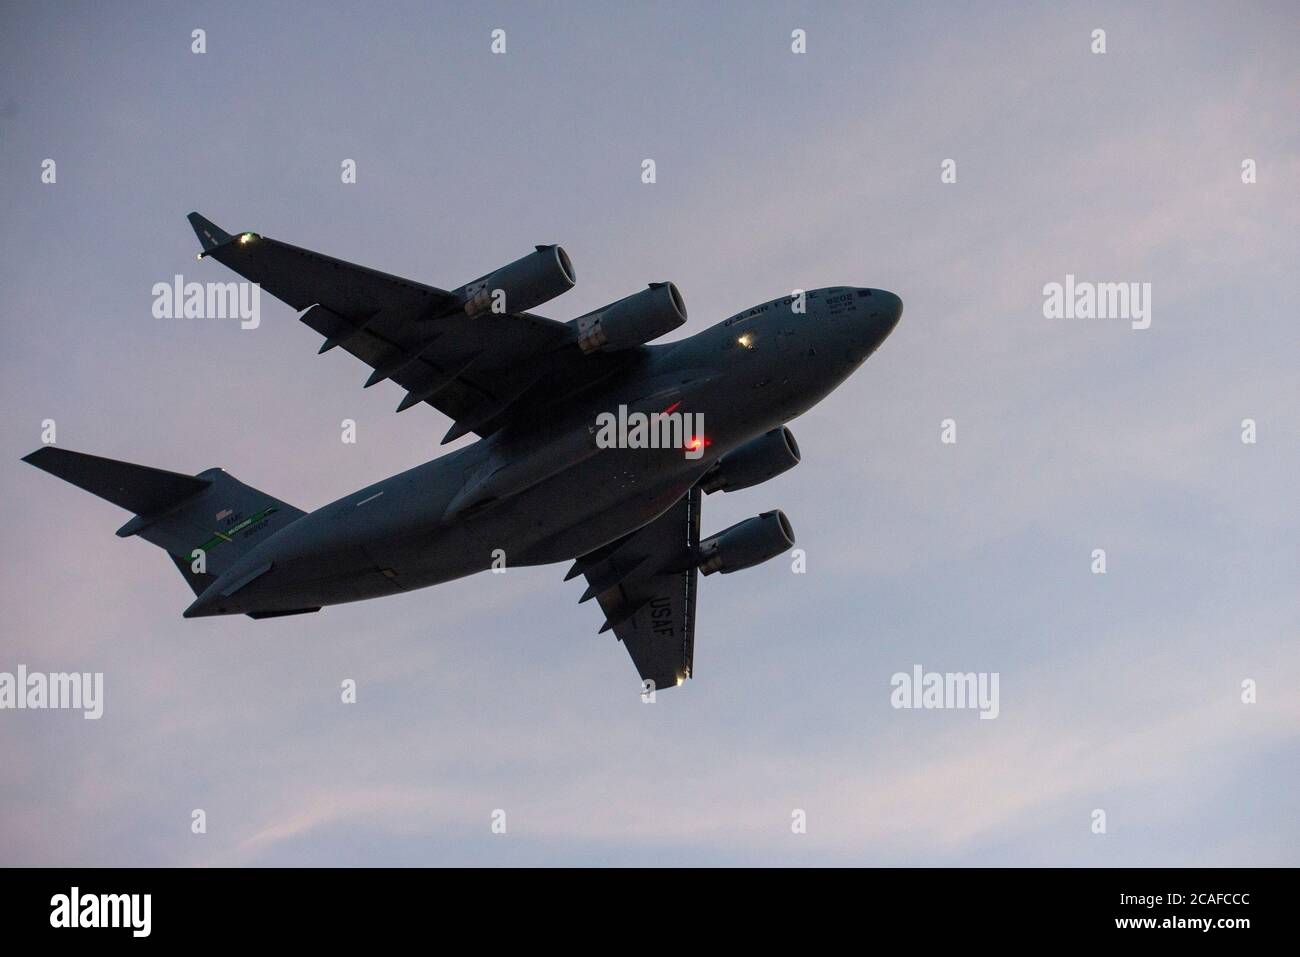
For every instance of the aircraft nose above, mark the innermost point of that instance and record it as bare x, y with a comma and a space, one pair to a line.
886, 308
883, 310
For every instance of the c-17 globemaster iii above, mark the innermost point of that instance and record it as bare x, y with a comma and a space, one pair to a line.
545, 482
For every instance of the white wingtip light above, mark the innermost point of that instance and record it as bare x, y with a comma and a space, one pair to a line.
247, 238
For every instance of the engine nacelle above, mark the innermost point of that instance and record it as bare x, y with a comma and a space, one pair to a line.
525, 283
756, 461
747, 543
637, 319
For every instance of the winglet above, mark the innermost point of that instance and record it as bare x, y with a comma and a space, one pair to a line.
210, 234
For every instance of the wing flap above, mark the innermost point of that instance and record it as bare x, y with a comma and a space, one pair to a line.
136, 488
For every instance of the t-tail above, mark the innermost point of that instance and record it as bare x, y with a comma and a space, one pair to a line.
204, 522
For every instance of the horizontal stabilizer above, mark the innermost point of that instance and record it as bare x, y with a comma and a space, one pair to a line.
136, 488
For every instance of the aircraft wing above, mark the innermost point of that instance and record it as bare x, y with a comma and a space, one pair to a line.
645, 583
473, 369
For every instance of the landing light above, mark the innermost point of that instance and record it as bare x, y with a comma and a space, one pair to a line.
746, 340
247, 238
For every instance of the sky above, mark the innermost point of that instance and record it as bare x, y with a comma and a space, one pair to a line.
1119, 692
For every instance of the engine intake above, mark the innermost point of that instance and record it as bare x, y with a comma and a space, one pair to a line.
746, 543
525, 283
756, 461
634, 320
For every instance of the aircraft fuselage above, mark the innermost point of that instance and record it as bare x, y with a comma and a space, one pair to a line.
547, 492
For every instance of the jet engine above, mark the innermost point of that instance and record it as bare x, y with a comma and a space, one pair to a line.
746, 543
525, 283
634, 320
756, 461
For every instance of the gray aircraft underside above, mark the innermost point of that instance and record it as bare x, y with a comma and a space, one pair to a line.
538, 487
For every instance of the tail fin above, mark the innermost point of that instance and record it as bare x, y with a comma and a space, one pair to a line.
203, 521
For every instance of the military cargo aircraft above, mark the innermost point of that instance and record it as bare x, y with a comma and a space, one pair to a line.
540, 485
